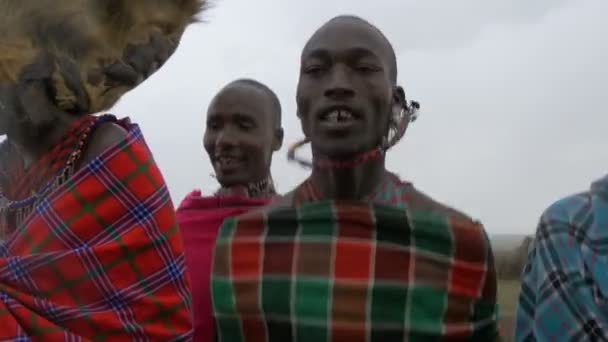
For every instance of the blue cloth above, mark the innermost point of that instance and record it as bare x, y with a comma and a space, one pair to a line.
564, 292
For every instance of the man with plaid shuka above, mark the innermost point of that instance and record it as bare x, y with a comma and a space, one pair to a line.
564, 291
99, 258
89, 243
353, 253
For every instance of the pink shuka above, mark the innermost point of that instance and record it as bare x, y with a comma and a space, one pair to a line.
199, 220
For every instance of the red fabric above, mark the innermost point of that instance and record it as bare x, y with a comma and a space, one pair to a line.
200, 219
23, 181
100, 258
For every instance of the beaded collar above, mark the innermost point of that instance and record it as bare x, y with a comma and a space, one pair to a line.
262, 189
385, 192
14, 212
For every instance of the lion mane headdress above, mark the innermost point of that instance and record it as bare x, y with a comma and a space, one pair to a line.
87, 35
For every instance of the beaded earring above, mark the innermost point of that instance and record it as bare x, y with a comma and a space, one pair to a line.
398, 125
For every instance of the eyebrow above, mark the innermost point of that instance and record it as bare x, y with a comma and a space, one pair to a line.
239, 116
358, 51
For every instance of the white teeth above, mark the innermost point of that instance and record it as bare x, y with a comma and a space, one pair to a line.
345, 115
226, 161
333, 116
339, 115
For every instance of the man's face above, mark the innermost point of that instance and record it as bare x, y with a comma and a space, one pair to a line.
241, 135
345, 92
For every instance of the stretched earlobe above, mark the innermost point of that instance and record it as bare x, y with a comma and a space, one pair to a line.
399, 95
278, 139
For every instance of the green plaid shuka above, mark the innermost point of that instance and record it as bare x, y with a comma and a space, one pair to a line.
346, 271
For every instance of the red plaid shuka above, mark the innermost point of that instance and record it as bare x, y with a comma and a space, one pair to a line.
355, 271
21, 181
100, 258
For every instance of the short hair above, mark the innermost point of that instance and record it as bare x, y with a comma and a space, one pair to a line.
392, 56
274, 99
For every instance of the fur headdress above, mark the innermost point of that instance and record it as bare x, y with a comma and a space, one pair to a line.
88, 35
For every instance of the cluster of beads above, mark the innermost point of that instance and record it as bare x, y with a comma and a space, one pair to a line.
22, 208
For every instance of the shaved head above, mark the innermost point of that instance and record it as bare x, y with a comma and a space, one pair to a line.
272, 96
348, 64
392, 58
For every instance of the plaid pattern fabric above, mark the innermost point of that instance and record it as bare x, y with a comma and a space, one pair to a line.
21, 181
564, 292
351, 271
100, 258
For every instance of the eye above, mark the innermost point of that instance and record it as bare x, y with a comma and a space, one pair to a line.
314, 69
246, 126
367, 68
213, 125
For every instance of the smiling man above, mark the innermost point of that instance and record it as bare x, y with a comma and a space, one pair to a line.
353, 253
243, 131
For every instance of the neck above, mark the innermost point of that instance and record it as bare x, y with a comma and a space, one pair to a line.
263, 187
353, 183
31, 147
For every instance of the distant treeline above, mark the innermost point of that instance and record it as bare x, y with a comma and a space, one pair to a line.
510, 263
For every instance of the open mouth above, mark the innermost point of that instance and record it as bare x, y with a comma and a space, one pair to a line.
227, 162
338, 115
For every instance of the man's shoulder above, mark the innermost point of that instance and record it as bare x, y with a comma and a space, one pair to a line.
466, 230
417, 200
105, 136
564, 209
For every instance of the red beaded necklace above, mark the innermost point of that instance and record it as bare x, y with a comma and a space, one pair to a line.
23, 181
399, 123
22, 187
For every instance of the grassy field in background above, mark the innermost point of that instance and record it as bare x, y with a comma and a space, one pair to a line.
508, 294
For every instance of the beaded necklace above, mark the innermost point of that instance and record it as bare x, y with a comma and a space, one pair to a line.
14, 212
262, 189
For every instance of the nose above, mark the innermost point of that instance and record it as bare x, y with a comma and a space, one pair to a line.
225, 139
340, 85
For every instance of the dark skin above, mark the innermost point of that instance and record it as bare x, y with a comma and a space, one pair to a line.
241, 134
346, 66
33, 123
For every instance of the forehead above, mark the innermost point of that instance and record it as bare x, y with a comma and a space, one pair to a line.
347, 34
241, 99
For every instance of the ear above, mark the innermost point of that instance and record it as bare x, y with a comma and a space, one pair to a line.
277, 139
399, 97
303, 123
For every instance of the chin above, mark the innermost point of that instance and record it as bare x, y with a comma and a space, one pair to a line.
340, 149
232, 180
344, 152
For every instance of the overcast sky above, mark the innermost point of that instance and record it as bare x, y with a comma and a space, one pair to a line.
512, 95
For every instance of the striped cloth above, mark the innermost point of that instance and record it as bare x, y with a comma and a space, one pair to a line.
99, 259
353, 271
564, 292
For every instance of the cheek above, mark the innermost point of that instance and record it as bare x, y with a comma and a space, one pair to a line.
303, 98
208, 142
254, 145
383, 109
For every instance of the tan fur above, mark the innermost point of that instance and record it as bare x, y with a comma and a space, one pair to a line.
90, 33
